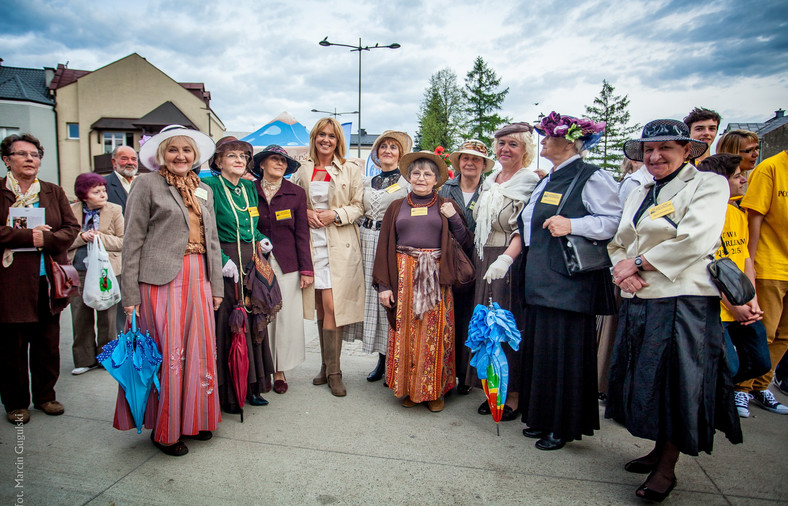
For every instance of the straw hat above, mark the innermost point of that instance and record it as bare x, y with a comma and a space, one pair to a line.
472, 147
663, 130
404, 140
204, 144
409, 158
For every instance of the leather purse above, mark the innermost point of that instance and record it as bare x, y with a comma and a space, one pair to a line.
730, 280
463, 267
65, 280
582, 255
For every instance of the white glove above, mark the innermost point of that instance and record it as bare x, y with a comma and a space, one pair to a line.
230, 270
266, 245
499, 268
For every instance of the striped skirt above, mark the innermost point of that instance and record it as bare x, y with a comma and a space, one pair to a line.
420, 359
179, 316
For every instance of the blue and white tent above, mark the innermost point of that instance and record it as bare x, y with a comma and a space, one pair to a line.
283, 130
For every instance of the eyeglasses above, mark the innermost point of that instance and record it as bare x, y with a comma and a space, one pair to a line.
25, 154
425, 175
748, 151
233, 157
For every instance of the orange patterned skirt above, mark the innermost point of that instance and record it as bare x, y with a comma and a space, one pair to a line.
420, 359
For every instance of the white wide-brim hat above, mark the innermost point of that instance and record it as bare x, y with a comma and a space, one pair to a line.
204, 143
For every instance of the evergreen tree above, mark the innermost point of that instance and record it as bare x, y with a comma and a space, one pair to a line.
482, 102
613, 110
440, 114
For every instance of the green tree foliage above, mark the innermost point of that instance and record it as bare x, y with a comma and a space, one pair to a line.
482, 101
613, 110
441, 112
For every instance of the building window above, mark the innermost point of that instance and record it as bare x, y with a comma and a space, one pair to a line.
73, 130
112, 140
6, 131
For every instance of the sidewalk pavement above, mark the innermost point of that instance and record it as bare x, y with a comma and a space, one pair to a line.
308, 447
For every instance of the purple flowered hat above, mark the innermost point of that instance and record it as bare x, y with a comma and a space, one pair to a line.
572, 129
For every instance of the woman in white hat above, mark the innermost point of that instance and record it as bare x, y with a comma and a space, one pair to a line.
413, 274
172, 279
379, 192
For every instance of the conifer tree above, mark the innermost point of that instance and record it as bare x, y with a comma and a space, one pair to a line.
482, 101
440, 115
613, 110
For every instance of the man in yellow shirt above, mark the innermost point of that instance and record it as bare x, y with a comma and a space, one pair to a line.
745, 336
766, 202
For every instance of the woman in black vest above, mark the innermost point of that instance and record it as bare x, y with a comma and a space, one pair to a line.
558, 397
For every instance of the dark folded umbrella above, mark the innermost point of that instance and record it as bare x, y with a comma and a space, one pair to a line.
238, 357
264, 298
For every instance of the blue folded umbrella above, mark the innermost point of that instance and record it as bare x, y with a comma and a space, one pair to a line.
133, 359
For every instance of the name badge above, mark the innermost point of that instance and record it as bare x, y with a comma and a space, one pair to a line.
285, 214
201, 193
551, 199
253, 212
393, 188
661, 210
419, 211
473, 204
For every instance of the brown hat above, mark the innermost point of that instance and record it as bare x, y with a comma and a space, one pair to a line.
409, 158
229, 143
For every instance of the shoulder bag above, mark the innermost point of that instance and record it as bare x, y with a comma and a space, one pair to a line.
730, 280
65, 280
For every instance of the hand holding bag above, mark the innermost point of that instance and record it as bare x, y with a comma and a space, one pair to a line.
101, 290
730, 280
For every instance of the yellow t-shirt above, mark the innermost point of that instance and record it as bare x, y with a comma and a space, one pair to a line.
736, 236
768, 194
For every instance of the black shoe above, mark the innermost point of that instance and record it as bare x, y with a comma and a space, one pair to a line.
379, 370
534, 433
550, 442
484, 408
463, 389
651, 495
509, 414
258, 400
177, 450
203, 435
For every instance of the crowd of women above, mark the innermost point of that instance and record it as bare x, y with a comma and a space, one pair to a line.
375, 259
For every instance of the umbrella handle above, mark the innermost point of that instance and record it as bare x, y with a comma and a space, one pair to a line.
134, 321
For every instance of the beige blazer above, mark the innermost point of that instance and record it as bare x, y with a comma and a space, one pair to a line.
157, 231
111, 227
346, 197
680, 254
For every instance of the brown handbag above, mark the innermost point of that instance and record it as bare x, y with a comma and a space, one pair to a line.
65, 280
463, 267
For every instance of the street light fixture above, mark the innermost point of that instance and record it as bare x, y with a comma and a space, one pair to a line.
359, 48
335, 113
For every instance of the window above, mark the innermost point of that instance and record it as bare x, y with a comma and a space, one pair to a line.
6, 131
73, 130
112, 140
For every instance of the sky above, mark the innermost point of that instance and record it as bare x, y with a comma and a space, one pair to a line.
259, 58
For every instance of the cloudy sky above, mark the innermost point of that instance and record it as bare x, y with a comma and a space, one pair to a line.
259, 58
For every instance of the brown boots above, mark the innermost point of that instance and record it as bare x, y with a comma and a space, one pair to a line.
321, 379
332, 343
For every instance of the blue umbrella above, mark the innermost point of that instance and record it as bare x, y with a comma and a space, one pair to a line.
490, 327
133, 359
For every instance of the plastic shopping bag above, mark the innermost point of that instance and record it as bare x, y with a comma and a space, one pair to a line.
101, 286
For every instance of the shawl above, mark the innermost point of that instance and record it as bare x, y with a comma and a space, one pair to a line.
426, 287
186, 186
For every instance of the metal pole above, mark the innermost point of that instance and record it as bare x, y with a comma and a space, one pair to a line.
359, 98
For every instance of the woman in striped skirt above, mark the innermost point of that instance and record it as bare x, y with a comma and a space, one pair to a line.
173, 280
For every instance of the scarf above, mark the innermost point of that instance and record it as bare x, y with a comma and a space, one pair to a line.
270, 189
426, 286
23, 199
90, 220
492, 199
186, 185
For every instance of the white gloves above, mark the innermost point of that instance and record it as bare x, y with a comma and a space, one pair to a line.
230, 270
266, 245
498, 269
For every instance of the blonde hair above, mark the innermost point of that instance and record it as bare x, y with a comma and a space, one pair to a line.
731, 141
339, 151
166, 143
528, 142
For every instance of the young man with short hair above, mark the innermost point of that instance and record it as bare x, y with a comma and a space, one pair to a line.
703, 125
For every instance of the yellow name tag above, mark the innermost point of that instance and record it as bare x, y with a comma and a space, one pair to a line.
419, 211
473, 204
283, 215
661, 210
253, 212
551, 198
393, 188
201, 193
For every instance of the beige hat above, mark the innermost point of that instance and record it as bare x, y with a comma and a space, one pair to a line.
472, 147
404, 139
409, 158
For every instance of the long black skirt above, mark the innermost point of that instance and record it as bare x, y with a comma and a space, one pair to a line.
669, 379
559, 392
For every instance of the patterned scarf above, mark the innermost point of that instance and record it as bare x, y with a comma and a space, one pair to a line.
185, 186
90, 219
426, 285
23, 199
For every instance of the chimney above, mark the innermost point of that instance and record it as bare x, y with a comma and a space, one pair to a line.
779, 113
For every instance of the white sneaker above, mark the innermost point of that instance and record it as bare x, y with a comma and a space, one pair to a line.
81, 370
742, 400
767, 401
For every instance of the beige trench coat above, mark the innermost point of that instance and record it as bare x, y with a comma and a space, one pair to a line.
345, 196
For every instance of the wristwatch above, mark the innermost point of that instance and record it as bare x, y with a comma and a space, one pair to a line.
639, 263
337, 220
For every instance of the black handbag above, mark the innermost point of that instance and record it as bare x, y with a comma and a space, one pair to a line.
730, 280
582, 255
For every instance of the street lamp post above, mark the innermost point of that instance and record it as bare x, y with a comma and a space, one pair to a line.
335, 113
359, 48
